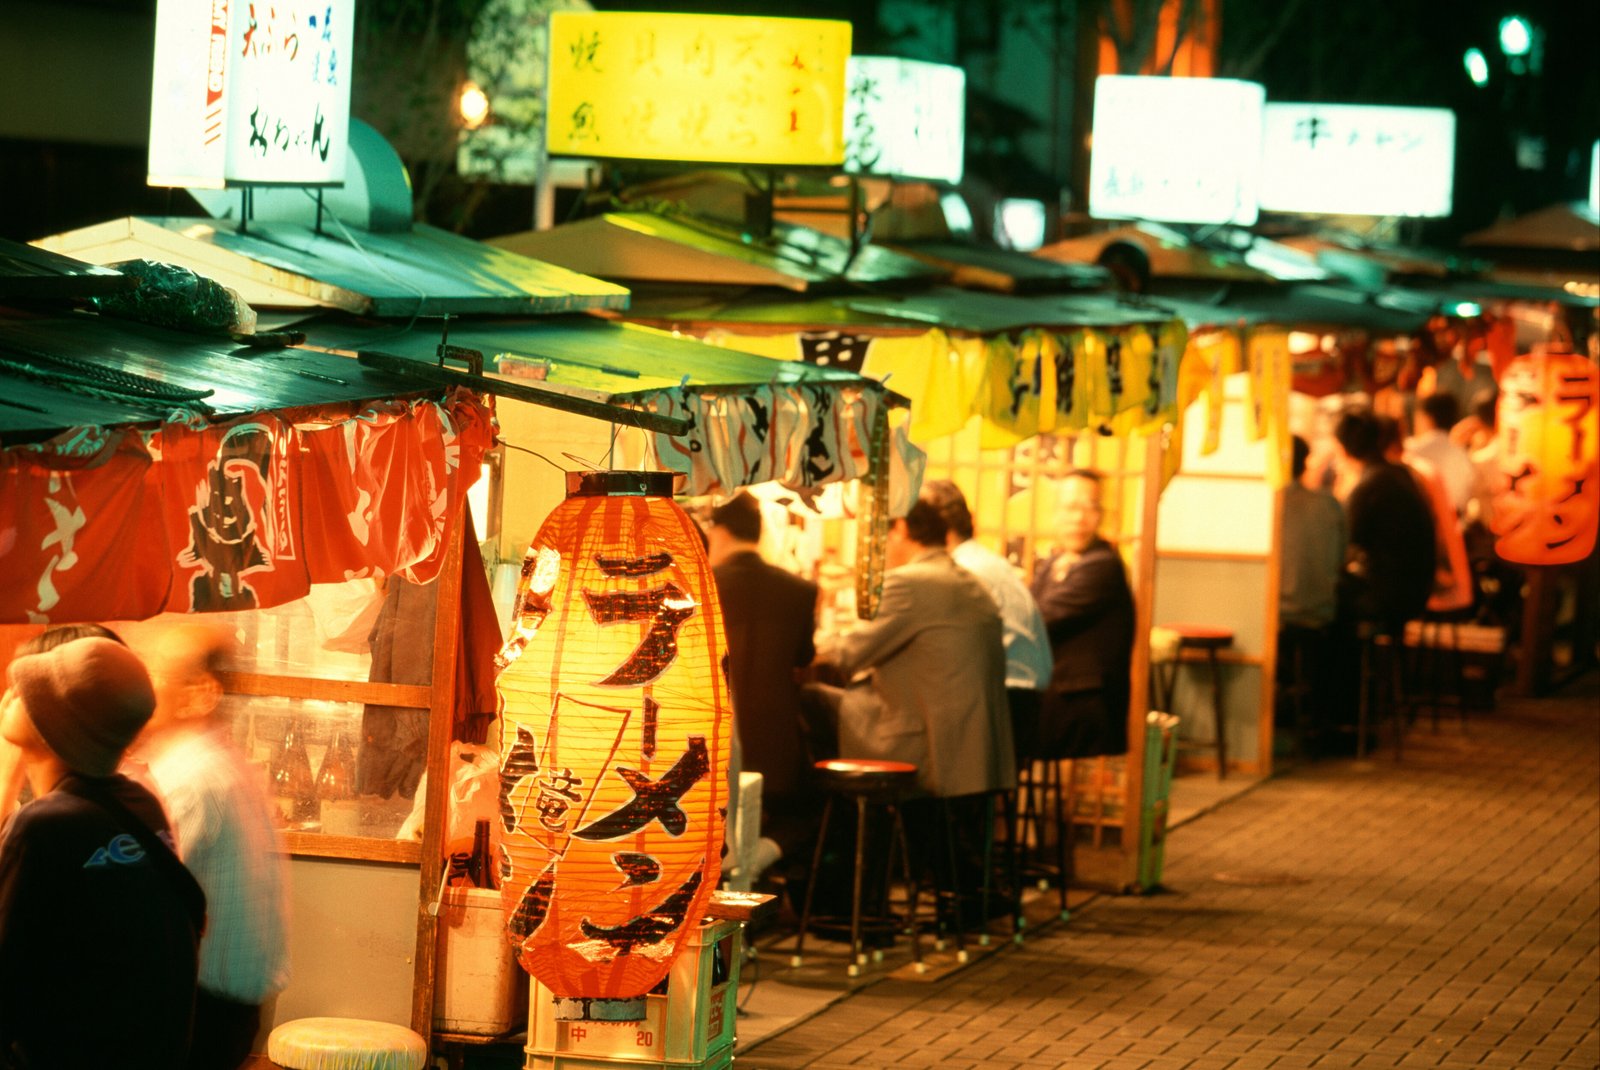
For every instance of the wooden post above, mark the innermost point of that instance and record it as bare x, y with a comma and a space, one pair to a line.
1144, 600
1266, 720
441, 712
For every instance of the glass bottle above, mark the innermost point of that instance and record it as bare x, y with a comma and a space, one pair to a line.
294, 790
336, 779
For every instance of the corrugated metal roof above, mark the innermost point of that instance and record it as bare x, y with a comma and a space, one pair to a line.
652, 247
584, 354
1307, 305
421, 272
63, 371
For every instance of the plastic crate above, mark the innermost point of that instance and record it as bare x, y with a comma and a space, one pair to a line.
692, 1024
1160, 755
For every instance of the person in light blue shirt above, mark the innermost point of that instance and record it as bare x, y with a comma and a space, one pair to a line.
1028, 657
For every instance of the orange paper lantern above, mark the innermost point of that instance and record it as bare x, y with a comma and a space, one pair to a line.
615, 726
1548, 431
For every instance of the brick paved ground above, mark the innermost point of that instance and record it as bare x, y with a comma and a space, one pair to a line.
1449, 916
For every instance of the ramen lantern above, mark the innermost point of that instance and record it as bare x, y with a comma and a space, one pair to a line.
615, 725
1547, 426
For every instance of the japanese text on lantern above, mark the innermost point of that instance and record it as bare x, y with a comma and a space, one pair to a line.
1548, 433
614, 739
697, 87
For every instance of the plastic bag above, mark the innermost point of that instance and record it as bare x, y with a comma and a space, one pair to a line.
173, 296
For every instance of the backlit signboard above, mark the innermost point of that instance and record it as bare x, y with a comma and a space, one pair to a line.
905, 118
250, 93
1177, 150
1353, 159
707, 88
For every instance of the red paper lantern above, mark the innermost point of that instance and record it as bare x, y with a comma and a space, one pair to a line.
615, 726
1548, 431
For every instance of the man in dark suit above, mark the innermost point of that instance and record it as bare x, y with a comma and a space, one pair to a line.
1088, 612
769, 615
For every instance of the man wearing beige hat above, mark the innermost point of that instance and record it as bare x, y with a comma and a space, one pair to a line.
99, 921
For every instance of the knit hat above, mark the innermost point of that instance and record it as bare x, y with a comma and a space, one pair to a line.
88, 699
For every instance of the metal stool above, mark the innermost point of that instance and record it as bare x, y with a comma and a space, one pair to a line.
1044, 818
1209, 640
866, 783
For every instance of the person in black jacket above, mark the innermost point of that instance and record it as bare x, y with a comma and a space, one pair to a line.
1391, 553
1088, 612
99, 921
770, 617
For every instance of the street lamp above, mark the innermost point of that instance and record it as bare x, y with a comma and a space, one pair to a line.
1516, 36
1477, 65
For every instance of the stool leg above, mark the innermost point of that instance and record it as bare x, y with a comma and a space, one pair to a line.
1063, 828
856, 955
949, 834
1364, 698
899, 833
1458, 664
811, 884
1013, 876
1216, 713
988, 869
1397, 689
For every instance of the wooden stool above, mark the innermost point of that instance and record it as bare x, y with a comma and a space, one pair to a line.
1210, 640
345, 1043
865, 782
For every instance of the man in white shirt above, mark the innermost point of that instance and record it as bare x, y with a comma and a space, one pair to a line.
1028, 657
219, 810
1436, 415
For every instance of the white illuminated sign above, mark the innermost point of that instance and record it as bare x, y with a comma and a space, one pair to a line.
1352, 159
1594, 180
905, 118
250, 93
1177, 150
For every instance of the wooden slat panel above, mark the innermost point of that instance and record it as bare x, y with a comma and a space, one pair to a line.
307, 687
362, 848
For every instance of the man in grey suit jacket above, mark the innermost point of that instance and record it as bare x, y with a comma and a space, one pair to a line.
936, 696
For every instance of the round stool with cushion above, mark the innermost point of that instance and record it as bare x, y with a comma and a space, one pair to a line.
867, 783
345, 1044
1209, 640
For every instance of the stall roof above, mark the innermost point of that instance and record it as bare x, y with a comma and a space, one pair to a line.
423, 271
59, 371
27, 272
648, 246
1565, 227
1306, 305
1173, 255
986, 313
582, 354
1002, 270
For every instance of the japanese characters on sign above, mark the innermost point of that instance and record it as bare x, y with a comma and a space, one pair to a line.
1180, 150
1547, 424
615, 723
905, 118
1349, 159
713, 88
250, 92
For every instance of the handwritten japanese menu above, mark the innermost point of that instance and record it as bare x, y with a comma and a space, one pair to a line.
250, 92
1351, 159
712, 88
905, 118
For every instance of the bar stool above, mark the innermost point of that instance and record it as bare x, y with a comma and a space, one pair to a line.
352, 1043
1044, 820
1383, 690
867, 783
1209, 640
1432, 629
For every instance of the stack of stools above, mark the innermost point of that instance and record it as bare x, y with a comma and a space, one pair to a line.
1208, 640
867, 783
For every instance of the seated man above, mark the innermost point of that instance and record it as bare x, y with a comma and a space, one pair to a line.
1028, 659
769, 617
1088, 611
936, 696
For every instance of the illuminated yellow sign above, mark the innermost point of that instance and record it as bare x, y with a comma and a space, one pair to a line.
707, 88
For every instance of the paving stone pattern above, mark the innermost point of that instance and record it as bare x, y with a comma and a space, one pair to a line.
1440, 911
